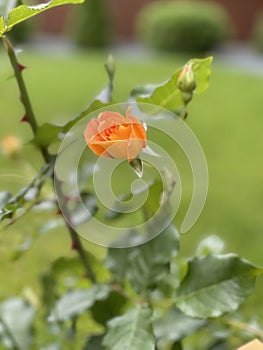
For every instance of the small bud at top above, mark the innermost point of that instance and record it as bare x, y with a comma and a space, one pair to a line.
186, 80
110, 66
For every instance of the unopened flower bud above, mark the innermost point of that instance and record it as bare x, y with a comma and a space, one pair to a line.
11, 146
186, 80
110, 66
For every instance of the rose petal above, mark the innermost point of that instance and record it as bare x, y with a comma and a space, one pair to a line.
91, 130
138, 131
109, 119
99, 150
134, 148
116, 149
121, 132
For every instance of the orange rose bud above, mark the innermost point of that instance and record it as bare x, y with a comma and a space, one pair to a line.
112, 135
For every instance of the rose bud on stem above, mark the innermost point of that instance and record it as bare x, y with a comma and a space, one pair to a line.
186, 84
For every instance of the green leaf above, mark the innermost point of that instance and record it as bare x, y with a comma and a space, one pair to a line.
31, 191
52, 346
177, 346
175, 326
2, 26
167, 94
4, 199
23, 12
151, 205
26, 194
202, 72
143, 90
48, 295
158, 188
6, 6
215, 284
78, 214
145, 265
46, 134
16, 318
132, 331
5, 214
49, 133
103, 310
220, 344
149, 264
94, 343
76, 302
65, 266
65, 273
116, 261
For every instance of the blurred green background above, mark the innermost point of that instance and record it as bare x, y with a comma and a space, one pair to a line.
227, 120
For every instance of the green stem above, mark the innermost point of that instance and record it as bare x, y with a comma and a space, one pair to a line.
21, 84
245, 327
23, 92
76, 242
82, 253
47, 157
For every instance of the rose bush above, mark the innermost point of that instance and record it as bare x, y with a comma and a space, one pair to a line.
112, 135
137, 297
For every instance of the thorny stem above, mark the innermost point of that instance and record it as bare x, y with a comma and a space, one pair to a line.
76, 242
82, 253
23, 92
30, 116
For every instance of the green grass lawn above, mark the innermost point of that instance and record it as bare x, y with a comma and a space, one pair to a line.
227, 119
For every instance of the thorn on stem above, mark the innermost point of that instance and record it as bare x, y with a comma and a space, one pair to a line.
21, 67
58, 212
24, 119
74, 245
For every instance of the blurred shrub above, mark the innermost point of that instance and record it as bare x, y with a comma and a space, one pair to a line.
93, 29
257, 35
190, 26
